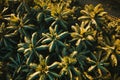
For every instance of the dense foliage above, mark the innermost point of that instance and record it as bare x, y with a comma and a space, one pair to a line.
57, 40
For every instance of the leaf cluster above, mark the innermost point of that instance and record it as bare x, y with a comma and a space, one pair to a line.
57, 40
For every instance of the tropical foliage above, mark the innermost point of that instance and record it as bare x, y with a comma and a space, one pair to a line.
57, 40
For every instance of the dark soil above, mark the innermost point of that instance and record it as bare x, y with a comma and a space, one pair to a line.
111, 6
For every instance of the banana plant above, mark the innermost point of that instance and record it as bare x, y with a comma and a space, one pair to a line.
20, 25
54, 39
5, 40
98, 65
31, 47
59, 12
114, 28
2, 34
93, 15
82, 34
17, 67
67, 66
42, 70
23, 8
43, 12
7, 44
112, 49
26, 13
81, 55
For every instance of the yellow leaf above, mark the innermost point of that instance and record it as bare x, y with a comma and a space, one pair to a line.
100, 72
88, 76
14, 18
113, 60
91, 68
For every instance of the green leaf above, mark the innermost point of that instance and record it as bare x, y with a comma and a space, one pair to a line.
5, 42
56, 29
12, 34
50, 77
53, 65
60, 43
47, 40
47, 59
88, 42
26, 22
34, 39
28, 50
50, 19
29, 59
75, 71
18, 58
106, 64
32, 76
20, 7
22, 44
54, 23
54, 74
13, 61
51, 30
27, 8
84, 52
103, 69
21, 49
19, 69
41, 58
94, 56
40, 17
70, 74
62, 35
45, 35
42, 47
33, 65
52, 46
30, 26
62, 23
27, 40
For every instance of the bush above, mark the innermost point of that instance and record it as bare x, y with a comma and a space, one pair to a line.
57, 40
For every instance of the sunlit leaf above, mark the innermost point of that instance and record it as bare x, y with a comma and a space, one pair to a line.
113, 60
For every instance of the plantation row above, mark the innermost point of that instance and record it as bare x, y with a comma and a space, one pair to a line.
57, 40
